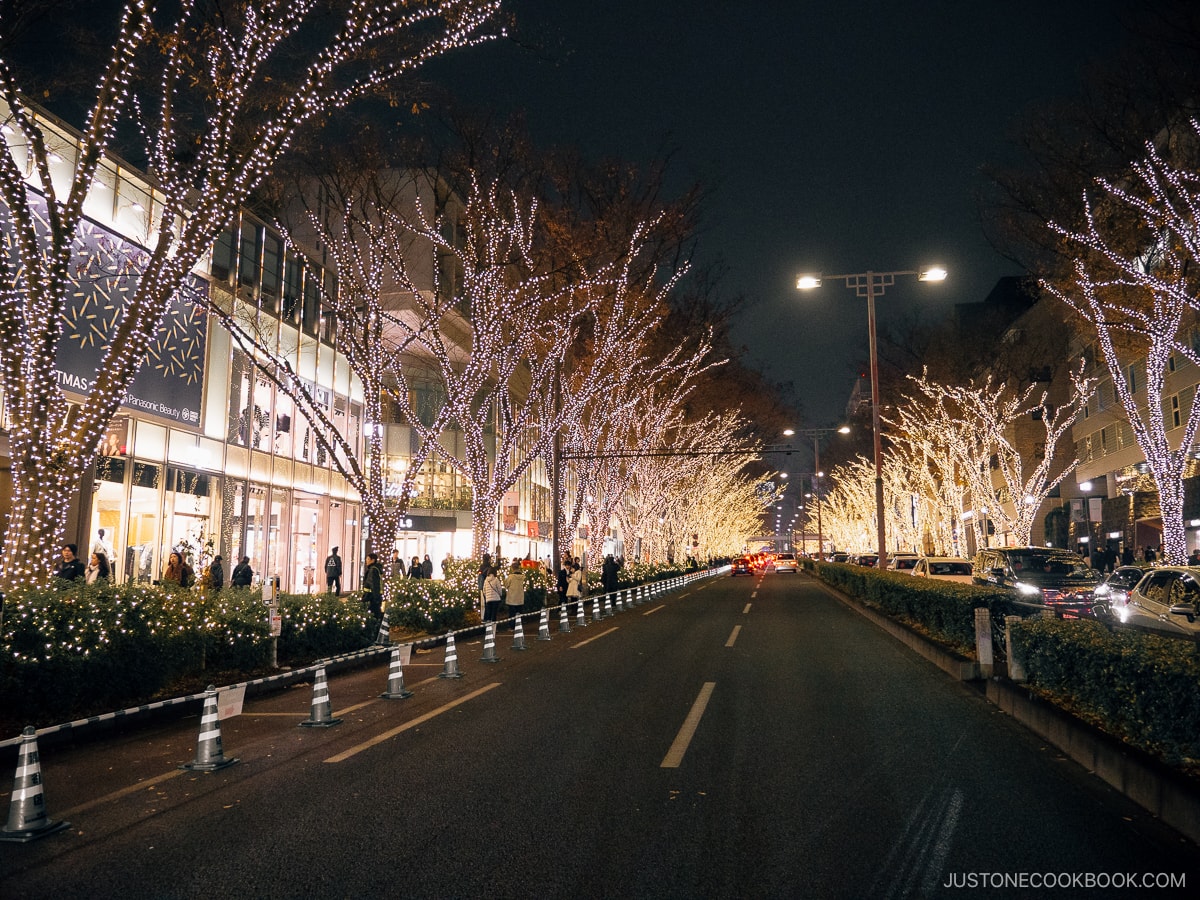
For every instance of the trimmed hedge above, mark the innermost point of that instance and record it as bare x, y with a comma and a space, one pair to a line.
1141, 688
943, 609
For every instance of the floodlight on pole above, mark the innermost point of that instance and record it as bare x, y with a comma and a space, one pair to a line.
870, 285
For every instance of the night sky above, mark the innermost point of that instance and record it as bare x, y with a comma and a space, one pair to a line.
837, 137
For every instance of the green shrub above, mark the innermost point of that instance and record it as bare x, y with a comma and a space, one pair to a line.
1142, 688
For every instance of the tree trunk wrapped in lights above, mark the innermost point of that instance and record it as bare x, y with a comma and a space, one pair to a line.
1136, 284
219, 96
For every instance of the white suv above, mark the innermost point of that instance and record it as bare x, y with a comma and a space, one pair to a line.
785, 562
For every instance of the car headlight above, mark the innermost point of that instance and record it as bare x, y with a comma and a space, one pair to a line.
1103, 590
1029, 590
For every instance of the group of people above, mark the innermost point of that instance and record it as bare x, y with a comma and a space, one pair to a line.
372, 580
494, 592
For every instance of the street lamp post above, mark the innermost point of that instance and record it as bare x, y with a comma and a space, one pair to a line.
815, 434
871, 285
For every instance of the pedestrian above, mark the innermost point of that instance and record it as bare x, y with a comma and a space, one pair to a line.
608, 574
97, 569
397, 565
492, 593
574, 585
1127, 556
514, 590
560, 582
1151, 555
1194, 559
415, 569
372, 582
484, 566
242, 574
427, 567
446, 565
333, 573
178, 572
71, 568
216, 574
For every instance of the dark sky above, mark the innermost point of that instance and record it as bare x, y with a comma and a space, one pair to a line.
837, 137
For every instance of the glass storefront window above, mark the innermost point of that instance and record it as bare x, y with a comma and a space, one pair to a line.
307, 540
140, 558
188, 506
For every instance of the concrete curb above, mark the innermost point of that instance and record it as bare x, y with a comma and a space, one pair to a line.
1152, 785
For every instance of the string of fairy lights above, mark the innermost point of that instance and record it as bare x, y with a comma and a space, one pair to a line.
228, 66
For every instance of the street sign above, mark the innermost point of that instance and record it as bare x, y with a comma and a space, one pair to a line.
229, 702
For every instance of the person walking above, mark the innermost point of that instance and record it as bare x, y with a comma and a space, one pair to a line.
398, 570
372, 582
71, 568
427, 567
514, 590
574, 586
216, 574
333, 573
414, 569
97, 569
242, 574
492, 593
608, 575
560, 581
484, 566
178, 572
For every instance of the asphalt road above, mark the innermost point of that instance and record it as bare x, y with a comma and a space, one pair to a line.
739, 738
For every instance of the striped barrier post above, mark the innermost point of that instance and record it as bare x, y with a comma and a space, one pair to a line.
564, 621
27, 819
518, 635
395, 686
597, 610
450, 669
489, 644
209, 755
385, 632
581, 618
608, 606
320, 715
544, 625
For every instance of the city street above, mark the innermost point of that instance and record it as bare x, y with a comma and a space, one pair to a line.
736, 738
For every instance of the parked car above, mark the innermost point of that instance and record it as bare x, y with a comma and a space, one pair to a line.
902, 562
785, 562
1115, 589
943, 568
839, 557
867, 559
1046, 575
741, 566
1166, 599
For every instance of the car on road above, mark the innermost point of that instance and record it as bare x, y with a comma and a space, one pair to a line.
1114, 590
1166, 599
867, 559
902, 562
786, 562
741, 566
943, 568
1044, 575
839, 557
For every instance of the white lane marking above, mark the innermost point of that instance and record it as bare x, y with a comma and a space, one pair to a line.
746, 610
380, 738
656, 609
753, 594
675, 755
733, 636
123, 792
595, 637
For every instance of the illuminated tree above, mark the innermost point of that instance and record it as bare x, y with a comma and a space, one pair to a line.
526, 309
1136, 284
218, 94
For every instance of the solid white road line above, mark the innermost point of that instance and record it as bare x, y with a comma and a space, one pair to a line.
420, 720
675, 755
733, 636
595, 637
124, 792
